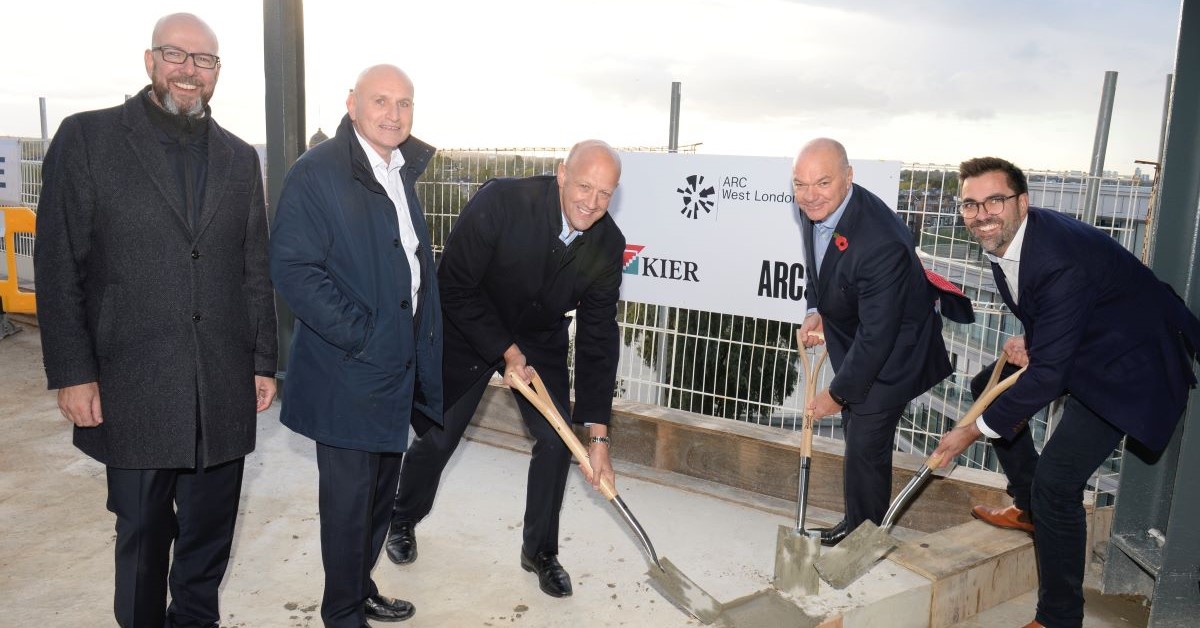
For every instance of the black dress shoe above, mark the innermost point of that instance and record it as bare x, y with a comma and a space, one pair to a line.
552, 578
833, 536
401, 546
382, 608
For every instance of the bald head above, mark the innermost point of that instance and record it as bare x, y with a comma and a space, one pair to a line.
821, 178
168, 25
825, 148
588, 150
381, 107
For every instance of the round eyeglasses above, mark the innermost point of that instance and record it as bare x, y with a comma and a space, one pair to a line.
992, 205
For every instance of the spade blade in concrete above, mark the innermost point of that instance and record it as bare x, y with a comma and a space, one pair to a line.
795, 554
682, 592
855, 555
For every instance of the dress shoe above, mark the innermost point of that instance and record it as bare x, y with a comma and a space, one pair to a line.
401, 546
1011, 517
833, 536
552, 578
382, 608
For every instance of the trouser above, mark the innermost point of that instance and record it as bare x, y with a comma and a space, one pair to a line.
195, 509
1081, 443
355, 497
548, 467
867, 472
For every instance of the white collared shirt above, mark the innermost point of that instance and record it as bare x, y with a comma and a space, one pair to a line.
388, 175
1010, 263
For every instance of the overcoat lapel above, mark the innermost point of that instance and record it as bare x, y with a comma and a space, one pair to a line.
152, 157
220, 168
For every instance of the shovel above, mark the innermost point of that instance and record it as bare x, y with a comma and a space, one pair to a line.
868, 543
676, 587
795, 549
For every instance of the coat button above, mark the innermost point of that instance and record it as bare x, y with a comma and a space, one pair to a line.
196, 317
404, 305
396, 243
195, 254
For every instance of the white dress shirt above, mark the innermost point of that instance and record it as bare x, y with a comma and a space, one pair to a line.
1010, 263
387, 173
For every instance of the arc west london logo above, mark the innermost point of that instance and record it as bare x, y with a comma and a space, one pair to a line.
696, 197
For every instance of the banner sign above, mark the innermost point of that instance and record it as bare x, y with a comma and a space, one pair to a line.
720, 233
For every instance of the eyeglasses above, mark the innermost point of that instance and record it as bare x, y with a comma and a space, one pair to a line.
992, 204
203, 60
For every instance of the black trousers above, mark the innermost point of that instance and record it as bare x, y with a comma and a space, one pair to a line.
427, 458
195, 509
867, 470
355, 498
1052, 485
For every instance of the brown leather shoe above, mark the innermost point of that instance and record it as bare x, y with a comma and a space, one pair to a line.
1033, 624
1011, 517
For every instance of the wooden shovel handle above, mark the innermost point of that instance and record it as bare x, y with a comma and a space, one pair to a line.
976, 410
812, 370
541, 400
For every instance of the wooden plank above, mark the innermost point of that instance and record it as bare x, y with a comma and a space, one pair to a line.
973, 567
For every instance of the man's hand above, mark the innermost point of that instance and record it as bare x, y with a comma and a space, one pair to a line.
514, 363
823, 405
80, 404
1014, 348
954, 443
599, 459
264, 391
812, 323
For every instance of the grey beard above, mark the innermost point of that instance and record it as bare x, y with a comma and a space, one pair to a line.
172, 107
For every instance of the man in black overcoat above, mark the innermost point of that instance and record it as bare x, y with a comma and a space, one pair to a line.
158, 320
522, 255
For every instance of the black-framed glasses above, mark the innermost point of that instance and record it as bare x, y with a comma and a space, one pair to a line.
178, 56
992, 205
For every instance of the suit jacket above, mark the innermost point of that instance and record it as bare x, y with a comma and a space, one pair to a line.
1100, 326
884, 336
362, 358
169, 320
507, 278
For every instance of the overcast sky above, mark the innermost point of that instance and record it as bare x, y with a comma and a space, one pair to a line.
931, 81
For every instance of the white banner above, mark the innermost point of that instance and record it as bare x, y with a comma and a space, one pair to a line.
720, 233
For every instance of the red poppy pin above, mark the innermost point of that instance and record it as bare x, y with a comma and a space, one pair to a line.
840, 241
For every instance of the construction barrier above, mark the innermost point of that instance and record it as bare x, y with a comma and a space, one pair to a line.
16, 220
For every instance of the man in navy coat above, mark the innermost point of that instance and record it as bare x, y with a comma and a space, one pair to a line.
524, 253
350, 254
870, 296
1101, 329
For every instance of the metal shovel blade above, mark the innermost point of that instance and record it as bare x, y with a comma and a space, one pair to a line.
682, 592
855, 555
795, 553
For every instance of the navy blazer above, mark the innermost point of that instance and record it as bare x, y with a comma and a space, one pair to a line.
363, 359
1099, 326
876, 305
507, 278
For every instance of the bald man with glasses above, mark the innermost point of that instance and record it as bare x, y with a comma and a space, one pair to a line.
158, 320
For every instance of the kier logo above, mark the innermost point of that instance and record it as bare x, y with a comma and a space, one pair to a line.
630, 264
637, 264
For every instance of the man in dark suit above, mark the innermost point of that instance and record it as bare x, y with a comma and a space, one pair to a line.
1099, 328
523, 254
350, 254
869, 295
158, 320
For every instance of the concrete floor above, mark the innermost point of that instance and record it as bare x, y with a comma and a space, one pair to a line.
57, 545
